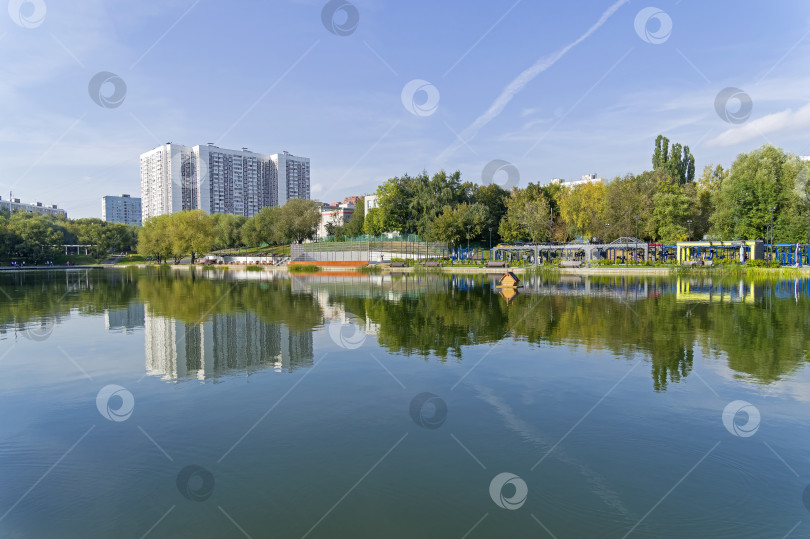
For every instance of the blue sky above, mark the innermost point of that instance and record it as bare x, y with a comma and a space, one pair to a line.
558, 89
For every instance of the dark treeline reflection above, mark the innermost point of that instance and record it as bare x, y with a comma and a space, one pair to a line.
29, 296
195, 297
762, 330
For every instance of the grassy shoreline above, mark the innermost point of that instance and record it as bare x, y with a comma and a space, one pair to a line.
664, 270
741, 272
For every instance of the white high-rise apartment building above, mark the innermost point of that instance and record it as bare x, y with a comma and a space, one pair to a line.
124, 209
293, 176
218, 180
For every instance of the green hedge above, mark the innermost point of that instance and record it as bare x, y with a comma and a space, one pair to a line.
303, 268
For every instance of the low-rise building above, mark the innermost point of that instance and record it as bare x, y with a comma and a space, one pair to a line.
370, 202
354, 199
587, 178
13, 205
337, 215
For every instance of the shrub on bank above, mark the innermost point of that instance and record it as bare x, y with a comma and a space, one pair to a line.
303, 268
763, 264
421, 269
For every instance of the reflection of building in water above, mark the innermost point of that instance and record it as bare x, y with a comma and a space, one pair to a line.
226, 344
709, 292
124, 320
354, 284
576, 285
331, 291
335, 311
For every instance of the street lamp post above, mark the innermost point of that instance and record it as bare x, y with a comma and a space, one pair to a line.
468, 240
808, 226
808, 234
607, 234
637, 218
427, 242
689, 222
773, 209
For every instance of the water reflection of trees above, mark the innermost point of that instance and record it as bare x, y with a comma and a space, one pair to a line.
764, 337
190, 298
438, 323
762, 340
27, 296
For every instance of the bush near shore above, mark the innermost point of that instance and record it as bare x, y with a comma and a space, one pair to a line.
303, 268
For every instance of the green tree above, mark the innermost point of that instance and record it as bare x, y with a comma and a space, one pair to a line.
38, 239
335, 228
373, 222
672, 210
677, 161
298, 220
155, 238
761, 186
228, 230
494, 198
8, 237
628, 204
411, 204
705, 193
193, 234
262, 228
461, 223
354, 227
582, 208
528, 216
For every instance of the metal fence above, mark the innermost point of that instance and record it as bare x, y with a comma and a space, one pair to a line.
371, 249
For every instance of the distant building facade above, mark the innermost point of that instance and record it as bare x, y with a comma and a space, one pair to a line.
370, 202
338, 215
124, 209
354, 199
293, 177
13, 205
587, 178
219, 180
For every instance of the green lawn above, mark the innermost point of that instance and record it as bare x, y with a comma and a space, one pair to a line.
133, 259
58, 260
247, 251
78, 260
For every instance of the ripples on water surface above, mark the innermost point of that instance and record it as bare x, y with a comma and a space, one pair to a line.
224, 404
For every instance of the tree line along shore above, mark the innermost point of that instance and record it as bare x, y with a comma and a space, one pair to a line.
764, 194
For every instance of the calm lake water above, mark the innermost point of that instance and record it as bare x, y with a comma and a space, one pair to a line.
250, 404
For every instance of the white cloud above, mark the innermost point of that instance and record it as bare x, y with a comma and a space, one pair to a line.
786, 120
530, 112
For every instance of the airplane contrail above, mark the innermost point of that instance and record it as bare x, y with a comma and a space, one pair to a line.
514, 87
